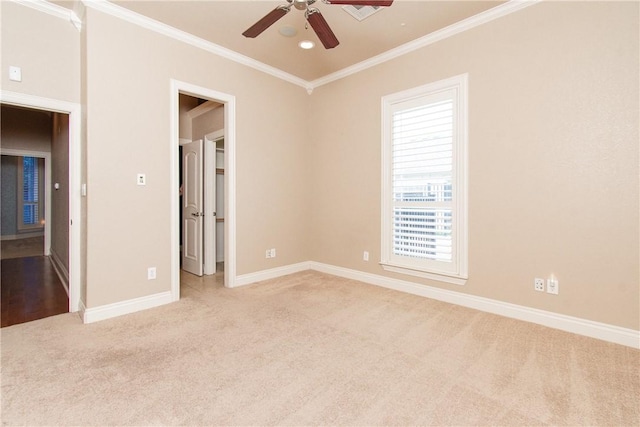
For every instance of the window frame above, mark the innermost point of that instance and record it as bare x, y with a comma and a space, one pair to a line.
455, 272
39, 225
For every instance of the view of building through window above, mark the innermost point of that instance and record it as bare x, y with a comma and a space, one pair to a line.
422, 176
424, 180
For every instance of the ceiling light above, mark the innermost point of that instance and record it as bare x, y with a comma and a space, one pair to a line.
306, 44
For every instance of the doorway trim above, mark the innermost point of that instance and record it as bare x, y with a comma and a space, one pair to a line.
177, 87
75, 216
209, 187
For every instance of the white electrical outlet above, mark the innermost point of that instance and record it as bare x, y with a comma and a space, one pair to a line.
552, 286
538, 284
267, 253
15, 74
151, 273
365, 256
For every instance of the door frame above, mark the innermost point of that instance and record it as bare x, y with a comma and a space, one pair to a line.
209, 189
75, 176
176, 88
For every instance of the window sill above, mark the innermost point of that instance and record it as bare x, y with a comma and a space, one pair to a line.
440, 277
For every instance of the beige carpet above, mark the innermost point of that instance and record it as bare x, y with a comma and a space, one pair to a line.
21, 248
311, 349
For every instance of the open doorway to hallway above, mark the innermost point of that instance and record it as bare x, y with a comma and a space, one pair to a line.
229, 211
201, 177
34, 214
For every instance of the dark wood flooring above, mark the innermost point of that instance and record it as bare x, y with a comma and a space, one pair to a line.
30, 290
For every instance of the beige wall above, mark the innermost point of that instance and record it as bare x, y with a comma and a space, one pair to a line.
129, 226
208, 122
186, 103
47, 49
553, 152
553, 155
25, 129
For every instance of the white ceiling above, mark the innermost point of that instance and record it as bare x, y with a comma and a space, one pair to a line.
222, 23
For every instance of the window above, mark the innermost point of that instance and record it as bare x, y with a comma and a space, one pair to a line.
30, 192
424, 189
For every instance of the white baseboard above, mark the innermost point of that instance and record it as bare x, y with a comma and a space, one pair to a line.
602, 331
81, 310
60, 269
247, 279
103, 312
589, 328
22, 236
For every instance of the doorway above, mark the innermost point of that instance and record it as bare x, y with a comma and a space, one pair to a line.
35, 255
71, 113
218, 131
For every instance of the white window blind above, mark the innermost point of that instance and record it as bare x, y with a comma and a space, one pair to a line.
422, 175
30, 193
30, 186
424, 185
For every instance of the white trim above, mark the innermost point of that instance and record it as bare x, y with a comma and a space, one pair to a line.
438, 35
272, 273
81, 310
109, 8
456, 271
75, 218
210, 239
575, 325
22, 235
47, 189
443, 277
60, 269
166, 30
229, 101
53, 10
108, 311
589, 328
209, 202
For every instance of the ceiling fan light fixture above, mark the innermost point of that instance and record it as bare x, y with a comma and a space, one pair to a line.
306, 44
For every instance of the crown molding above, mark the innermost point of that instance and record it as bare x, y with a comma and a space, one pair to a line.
53, 10
453, 29
109, 8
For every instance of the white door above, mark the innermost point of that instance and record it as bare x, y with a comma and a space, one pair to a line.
192, 209
209, 206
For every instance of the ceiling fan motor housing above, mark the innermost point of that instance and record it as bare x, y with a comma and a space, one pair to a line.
302, 4
313, 16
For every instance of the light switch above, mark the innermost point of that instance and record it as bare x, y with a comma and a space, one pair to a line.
15, 74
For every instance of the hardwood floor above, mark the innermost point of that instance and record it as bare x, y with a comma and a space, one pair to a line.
30, 290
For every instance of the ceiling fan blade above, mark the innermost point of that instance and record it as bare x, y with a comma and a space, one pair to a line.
362, 2
320, 26
268, 20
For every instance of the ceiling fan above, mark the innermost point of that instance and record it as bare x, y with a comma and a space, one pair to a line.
313, 16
